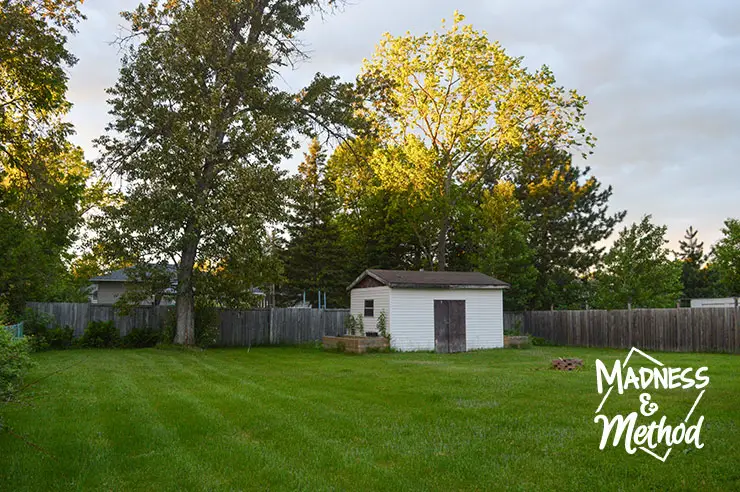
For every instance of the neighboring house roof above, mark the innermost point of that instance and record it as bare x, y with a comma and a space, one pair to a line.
114, 276
121, 276
429, 280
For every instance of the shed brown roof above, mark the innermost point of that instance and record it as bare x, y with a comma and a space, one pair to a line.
430, 280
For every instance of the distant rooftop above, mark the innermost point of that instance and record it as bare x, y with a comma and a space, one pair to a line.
432, 280
120, 275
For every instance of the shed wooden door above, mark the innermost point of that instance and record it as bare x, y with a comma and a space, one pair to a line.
449, 326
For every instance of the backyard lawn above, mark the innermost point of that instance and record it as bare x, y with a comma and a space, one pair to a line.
303, 419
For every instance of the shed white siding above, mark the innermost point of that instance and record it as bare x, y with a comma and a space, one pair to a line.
381, 302
412, 317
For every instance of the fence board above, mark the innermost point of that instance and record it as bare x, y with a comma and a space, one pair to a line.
673, 330
236, 328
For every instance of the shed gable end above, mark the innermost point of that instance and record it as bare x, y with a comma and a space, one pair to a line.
368, 281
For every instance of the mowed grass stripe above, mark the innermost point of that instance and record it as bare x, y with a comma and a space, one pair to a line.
299, 418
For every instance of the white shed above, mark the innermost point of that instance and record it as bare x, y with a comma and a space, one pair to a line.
442, 311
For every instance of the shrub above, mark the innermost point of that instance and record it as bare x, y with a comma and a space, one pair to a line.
15, 360
206, 326
141, 338
36, 323
542, 342
167, 335
381, 325
100, 334
354, 325
59, 338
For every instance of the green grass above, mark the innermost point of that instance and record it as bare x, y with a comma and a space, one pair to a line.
300, 418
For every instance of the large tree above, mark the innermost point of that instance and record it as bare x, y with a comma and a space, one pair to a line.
198, 129
383, 228
314, 256
726, 257
567, 210
502, 244
638, 270
451, 108
43, 191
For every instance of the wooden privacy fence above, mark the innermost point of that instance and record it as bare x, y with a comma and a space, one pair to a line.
675, 330
236, 328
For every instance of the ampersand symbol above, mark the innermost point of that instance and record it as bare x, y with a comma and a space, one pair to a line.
647, 408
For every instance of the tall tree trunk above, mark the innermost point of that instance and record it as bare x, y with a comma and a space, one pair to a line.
185, 304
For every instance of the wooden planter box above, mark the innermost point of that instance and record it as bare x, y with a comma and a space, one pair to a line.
516, 342
356, 345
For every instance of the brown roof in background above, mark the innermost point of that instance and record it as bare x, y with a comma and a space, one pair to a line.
436, 280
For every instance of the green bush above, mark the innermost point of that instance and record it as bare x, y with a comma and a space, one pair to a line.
36, 323
382, 325
141, 338
100, 334
60, 338
541, 342
15, 360
206, 326
354, 325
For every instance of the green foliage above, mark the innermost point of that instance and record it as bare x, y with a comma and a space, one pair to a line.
726, 257
638, 270
60, 338
354, 325
42, 334
140, 338
35, 327
199, 127
43, 177
206, 326
100, 334
15, 360
694, 276
151, 282
542, 342
568, 218
445, 123
314, 257
502, 242
381, 325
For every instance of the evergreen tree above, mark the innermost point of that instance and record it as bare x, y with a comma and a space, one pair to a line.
567, 210
694, 276
314, 255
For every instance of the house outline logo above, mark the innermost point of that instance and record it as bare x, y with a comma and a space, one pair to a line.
648, 437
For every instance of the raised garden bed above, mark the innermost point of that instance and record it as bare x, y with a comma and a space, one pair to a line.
517, 341
356, 344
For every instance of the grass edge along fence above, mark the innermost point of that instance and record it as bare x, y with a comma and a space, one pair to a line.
237, 328
669, 330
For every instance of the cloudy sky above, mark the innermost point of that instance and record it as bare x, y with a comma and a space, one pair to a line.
662, 79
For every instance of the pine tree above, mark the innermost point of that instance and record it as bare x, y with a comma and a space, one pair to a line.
314, 253
693, 276
566, 209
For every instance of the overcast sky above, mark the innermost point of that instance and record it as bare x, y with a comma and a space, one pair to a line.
662, 79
